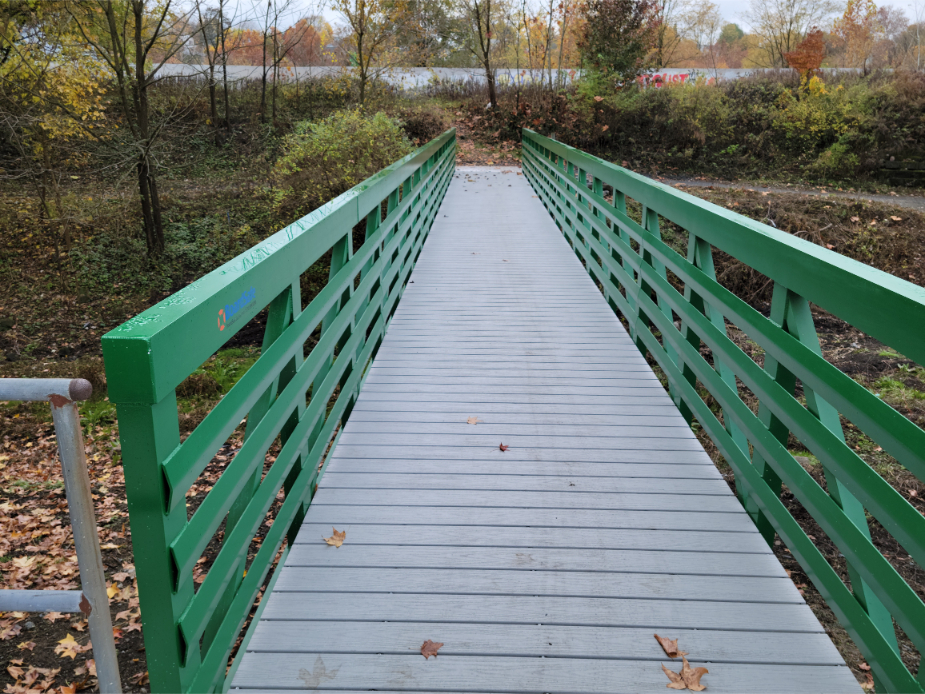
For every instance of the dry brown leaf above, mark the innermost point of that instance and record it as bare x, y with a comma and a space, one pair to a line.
68, 689
503, 447
26, 646
895, 218
52, 616
855, 219
429, 648
670, 646
15, 672
688, 678
598, 98
337, 539
473, 420
605, 128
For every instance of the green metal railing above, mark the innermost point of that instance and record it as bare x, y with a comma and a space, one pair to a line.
630, 263
288, 396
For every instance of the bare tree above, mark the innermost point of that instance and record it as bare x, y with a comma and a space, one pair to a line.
127, 36
702, 24
782, 24
210, 30
667, 34
480, 17
373, 26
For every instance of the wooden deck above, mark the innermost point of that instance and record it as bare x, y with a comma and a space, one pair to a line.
547, 567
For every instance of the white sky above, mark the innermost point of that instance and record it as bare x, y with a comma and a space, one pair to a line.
732, 10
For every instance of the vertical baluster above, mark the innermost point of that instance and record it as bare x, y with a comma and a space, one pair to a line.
651, 224
700, 254
795, 316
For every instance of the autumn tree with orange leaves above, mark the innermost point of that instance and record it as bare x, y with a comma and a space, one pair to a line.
807, 57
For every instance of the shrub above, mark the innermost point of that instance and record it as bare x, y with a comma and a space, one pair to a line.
323, 159
422, 123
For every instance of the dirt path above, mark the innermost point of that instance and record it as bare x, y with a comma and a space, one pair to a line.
912, 202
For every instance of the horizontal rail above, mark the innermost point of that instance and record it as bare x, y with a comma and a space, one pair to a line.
70, 601
621, 247
34, 389
295, 397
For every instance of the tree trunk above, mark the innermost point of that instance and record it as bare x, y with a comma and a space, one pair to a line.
221, 27
213, 106
147, 216
492, 96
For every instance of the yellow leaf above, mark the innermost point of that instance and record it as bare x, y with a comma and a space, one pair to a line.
112, 591
69, 648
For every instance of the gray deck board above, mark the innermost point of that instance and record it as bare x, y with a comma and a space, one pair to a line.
547, 567
529, 538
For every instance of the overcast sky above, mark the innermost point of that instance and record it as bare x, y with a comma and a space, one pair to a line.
732, 10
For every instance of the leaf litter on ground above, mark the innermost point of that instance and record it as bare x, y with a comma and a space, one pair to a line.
337, 539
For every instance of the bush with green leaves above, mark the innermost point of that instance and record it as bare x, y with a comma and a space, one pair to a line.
323, 159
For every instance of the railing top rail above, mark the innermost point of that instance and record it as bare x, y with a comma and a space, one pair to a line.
193, 321
884, 306
33, 389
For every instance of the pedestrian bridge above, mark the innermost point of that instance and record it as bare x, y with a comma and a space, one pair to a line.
470, 400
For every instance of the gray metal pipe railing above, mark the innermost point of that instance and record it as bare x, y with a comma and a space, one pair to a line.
92, 600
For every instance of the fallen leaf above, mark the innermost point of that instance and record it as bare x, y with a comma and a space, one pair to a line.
53, 616
503, 447
110, 545
598, 98
472, 420
855, 219
26, 645
429, 648
112, 591
337, 539
688, 678
15, 672
670, 646
605, 128
69, 648
895, 218
829, 246
69, 689
121, 576
8, 632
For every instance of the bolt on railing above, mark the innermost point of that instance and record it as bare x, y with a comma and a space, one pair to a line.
92, 600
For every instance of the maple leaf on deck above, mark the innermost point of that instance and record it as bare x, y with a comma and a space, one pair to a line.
337, 539
429, 648
503, 448
473, 420
688, 678
670, 646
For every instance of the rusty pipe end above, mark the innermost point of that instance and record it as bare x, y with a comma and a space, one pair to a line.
80, 389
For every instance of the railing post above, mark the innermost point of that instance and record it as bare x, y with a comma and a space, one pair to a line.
148, 434
86, 540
